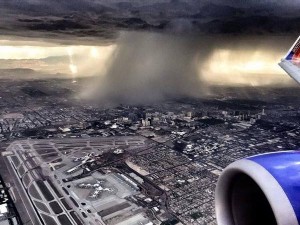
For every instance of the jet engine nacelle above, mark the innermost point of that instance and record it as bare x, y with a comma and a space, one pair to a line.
260, 190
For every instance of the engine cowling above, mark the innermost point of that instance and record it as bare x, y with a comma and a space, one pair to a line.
260, 190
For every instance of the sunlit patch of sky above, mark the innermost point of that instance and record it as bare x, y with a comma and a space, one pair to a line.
79, 59
244, 67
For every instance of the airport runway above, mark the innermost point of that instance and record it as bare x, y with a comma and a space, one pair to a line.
32, 215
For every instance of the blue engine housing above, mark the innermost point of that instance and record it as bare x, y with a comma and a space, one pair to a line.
263, 189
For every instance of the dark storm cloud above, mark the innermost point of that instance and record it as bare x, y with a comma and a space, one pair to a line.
56, 25
150, 66
103, 18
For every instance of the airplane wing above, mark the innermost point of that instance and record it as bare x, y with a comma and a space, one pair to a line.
291, 62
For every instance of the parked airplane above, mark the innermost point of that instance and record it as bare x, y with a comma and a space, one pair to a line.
89, 157
90, 185
98, 188
263, 189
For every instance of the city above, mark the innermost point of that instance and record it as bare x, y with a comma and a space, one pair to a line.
85, 163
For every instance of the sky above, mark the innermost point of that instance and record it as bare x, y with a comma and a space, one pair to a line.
156, 48
87, 19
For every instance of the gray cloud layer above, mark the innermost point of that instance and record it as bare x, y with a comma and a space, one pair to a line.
84, 19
